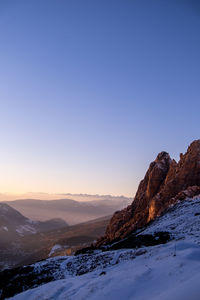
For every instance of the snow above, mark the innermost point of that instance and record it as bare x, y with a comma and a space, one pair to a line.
158, 274
32, 222
26, 228
168, 271
54, 249
5, 228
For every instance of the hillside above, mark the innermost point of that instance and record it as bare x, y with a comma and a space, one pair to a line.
15, 232
166, 271
14, 224
24, 241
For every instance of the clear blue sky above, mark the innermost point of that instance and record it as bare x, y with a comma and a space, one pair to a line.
91, 91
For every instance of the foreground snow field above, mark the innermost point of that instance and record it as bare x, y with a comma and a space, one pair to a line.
168, 271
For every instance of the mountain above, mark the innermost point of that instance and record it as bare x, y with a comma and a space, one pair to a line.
49, 196
72, 211
12, 222
168, 270
24, 241
64, 241
15, 232
151, 249
165, 182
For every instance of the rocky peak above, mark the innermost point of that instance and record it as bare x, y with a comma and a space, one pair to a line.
165, 182
162, 156
180, 176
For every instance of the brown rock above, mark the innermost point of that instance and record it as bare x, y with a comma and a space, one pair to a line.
180, 176
190, 192
164, 184
126, 220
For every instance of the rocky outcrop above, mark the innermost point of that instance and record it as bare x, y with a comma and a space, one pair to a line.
165, 183
181, 176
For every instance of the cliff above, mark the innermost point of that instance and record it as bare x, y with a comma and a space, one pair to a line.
165, 183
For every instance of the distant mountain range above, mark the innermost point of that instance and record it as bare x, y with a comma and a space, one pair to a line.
71, 211
50, 196
24, 241
14, 223
31, 230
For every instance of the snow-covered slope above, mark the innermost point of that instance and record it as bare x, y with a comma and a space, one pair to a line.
158, 274
167, 271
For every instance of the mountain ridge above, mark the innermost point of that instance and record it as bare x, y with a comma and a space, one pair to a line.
165, 182
72, 211
24, 241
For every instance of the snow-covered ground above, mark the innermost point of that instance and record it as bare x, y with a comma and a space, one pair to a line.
169, 271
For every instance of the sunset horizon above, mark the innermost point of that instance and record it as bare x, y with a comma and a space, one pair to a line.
100, 149
86, 104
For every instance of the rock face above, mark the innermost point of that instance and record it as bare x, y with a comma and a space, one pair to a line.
165, 183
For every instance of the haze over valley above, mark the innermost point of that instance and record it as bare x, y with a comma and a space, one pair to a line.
71, 211
30, 229
100, 150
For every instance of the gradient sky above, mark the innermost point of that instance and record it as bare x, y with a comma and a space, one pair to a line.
91, 91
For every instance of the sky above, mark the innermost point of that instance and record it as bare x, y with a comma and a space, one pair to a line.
92, 91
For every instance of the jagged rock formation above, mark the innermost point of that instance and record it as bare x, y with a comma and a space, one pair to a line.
165, 183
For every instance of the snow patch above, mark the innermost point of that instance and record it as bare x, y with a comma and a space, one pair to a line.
26, 228
5, 228
54, 249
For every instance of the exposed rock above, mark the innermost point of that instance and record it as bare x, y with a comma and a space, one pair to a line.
182, 176
102, 273
132, 241
165, 182
141, 240
190, 192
